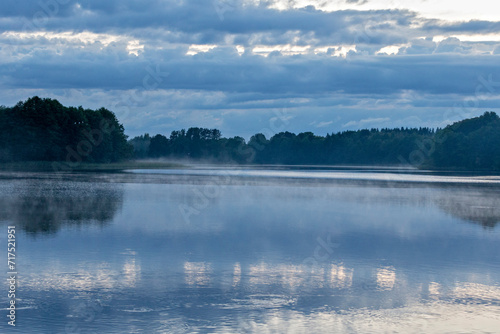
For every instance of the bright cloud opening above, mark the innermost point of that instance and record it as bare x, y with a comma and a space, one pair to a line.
197, 48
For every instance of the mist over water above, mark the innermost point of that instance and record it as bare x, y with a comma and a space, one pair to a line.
216, 250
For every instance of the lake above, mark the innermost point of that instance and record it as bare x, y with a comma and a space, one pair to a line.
253, 250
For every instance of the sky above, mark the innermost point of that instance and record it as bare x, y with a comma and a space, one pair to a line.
251, 66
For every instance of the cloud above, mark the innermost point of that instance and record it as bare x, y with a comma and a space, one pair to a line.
52, 62
366, 122
420, 46
322, 124
470, 26
357, 2
451, 45
231, 63
249, 24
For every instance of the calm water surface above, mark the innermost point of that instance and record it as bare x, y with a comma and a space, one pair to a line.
217, 250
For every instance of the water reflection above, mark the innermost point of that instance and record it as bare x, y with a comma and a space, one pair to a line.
257, 258
420, 318
386, 278
44, 207
340, 277
479, 206
197, 273
474, 199
236, 274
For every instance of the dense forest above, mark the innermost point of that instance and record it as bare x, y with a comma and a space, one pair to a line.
44, 130
472, 144
350, 147
469, 144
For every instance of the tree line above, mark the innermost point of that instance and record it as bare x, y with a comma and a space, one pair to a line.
372, 146
472, 144
469, 144
45, 130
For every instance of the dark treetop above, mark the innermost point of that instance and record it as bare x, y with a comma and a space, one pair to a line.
45, 130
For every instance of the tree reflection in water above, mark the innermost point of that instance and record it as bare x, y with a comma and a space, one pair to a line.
44, 207
479, 206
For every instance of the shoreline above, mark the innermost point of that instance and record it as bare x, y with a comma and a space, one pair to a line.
48, 166
58, 166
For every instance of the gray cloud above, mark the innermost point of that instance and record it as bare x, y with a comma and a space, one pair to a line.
472, 26
358, 2
223, 69
232, 91
421, 46
199, 22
